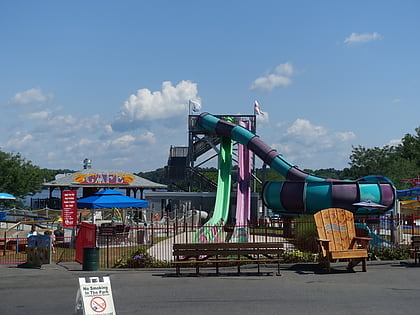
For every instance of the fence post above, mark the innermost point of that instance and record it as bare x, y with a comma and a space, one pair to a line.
107, 251
412, 224
153, 233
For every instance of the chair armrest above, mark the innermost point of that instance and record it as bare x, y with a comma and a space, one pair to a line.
323, 243
362, 242
363, 238
322, 240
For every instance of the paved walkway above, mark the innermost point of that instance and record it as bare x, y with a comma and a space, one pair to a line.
387, 288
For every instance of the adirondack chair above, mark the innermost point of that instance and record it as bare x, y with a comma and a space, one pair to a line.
337, 238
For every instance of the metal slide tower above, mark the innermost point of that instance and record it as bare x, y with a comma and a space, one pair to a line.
184, 162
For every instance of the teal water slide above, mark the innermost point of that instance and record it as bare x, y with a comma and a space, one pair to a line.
302, 192
211, 231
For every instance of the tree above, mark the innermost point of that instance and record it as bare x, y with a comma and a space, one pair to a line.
409, 148
18, 176
365, 161
395, 162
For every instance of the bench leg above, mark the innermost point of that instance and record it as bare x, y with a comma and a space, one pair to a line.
278, 267
178, 270
364, 269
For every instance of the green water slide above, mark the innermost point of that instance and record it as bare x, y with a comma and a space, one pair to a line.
211, 231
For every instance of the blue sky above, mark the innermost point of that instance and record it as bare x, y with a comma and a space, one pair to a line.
111, 80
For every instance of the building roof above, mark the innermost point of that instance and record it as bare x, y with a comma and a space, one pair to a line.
103, 178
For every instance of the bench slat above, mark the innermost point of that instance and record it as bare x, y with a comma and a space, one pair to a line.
196, 254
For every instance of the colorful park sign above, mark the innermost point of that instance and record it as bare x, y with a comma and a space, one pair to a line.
103, 178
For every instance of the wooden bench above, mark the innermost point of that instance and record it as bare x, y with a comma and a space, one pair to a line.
415, 243
213, 254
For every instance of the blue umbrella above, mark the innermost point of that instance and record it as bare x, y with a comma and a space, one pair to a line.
4, 196
110, 199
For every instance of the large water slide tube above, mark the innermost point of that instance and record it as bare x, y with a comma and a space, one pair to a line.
303, 192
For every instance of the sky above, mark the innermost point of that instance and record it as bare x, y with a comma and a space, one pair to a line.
111, 80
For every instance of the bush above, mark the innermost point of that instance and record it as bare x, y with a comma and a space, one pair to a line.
297, 256
140, 259
305, 233
390, 253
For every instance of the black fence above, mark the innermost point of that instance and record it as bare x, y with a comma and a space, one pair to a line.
150, 245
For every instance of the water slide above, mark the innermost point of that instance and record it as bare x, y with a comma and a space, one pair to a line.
303, 192
211, 231
376, 240
243, 195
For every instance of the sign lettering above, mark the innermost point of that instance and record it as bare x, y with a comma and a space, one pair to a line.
103, 179
69, 208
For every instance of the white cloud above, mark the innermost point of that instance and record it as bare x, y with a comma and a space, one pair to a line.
148, 137
30, 96
311, 145
356, 38
280, 76
44, 114
394, 142
19, 140
54, 138
123, 141
147, 106
396, 100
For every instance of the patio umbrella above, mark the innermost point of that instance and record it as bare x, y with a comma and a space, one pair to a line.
368, 205
4, 196
110, 199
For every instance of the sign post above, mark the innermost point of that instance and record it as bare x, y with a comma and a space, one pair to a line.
94, 297
69, 208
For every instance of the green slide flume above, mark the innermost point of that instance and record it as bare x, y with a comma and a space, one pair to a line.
211, 231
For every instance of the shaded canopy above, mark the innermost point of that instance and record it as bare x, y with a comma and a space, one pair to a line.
4, 196
110, 199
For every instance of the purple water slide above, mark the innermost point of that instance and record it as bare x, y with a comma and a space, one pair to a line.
243, 202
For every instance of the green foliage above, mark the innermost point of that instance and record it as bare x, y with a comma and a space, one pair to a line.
390, 253
305, 233
157, 176
327, 173
409, 149
18, 176
395, 162
365, 161
140, 259
297, 256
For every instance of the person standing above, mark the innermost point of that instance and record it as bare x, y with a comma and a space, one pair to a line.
33, 232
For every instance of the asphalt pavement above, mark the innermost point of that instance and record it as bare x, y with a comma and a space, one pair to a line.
390, 287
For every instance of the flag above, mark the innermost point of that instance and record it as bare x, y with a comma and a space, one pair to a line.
257, 109
194, 106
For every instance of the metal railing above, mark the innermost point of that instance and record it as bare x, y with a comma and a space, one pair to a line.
151, 245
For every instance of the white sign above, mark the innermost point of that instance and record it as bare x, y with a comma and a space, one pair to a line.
94, 296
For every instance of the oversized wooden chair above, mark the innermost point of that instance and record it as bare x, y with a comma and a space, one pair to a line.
337, 238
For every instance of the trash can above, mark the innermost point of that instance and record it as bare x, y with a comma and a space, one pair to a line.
90, 258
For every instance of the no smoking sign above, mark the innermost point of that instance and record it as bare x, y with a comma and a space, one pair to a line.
94, 296
98, 304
